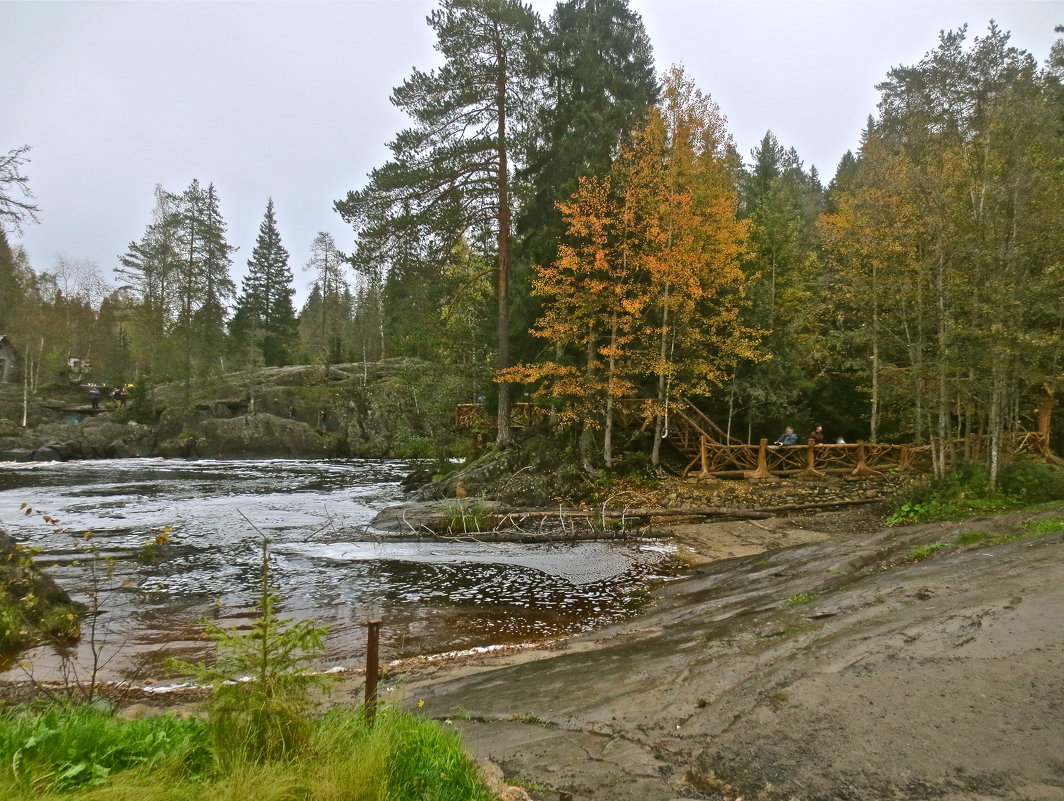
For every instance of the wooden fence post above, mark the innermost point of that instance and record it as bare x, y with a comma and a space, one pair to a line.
862, 470
810, 470
761, 473
372, 669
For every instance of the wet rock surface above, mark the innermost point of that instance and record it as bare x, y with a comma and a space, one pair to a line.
836, 669
251, 436
94, 438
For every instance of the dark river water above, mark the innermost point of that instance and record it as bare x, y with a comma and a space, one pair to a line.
433, 597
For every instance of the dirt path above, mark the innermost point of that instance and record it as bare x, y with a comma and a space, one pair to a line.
834, 668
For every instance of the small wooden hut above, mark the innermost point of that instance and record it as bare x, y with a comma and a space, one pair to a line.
10, 362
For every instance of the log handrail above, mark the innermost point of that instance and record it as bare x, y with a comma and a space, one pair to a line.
859, 459
704, 421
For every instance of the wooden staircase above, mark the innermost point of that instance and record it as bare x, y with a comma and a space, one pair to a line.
686, 425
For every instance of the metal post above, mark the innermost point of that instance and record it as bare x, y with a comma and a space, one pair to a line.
372, 668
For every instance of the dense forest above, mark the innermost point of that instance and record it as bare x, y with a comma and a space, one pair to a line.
565, 226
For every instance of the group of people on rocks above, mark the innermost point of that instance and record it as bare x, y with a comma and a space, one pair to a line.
119, 395
788, 437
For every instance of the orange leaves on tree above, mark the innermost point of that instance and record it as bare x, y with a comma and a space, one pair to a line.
643, 295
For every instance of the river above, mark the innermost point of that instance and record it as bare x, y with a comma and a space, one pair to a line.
433, 597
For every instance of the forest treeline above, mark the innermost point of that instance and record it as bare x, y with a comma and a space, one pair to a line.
567, 226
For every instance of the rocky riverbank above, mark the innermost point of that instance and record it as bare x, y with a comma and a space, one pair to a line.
32, 605
920, 662
385, 409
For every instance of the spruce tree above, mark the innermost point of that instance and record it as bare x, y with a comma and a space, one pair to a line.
781, 203
264, 323
601, 79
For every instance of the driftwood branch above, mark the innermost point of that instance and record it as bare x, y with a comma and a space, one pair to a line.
696, 511
807, 507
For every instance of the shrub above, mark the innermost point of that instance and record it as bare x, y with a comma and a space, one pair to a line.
259, 705
1034, 482
14, 635
965, 493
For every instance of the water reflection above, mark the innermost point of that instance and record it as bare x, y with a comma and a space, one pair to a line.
433, 596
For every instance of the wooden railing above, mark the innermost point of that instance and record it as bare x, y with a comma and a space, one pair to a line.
715, 454
862, 459
471, 415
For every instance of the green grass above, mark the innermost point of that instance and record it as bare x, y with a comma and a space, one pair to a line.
965, 493
799, 598
1048, 525
925, 551
1035, 528
84, 753
984, 539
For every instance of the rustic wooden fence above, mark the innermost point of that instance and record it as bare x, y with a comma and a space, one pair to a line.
713, 453
859, 460
469, 416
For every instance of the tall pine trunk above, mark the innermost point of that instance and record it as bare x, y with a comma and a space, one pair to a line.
505, 434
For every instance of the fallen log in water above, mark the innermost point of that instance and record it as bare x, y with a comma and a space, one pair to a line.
613, 513
496, 523
479, 521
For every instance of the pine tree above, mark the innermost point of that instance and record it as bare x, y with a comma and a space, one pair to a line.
149, 273
204, 285
264, 322
326, 315
451, 172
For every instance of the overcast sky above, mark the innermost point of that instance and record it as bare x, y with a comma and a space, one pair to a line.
289, 100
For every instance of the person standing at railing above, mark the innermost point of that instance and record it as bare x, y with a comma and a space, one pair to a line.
817, 434
788, 437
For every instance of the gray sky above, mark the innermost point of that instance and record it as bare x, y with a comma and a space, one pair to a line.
290, 99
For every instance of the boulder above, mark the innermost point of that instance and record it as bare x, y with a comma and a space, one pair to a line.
20, 577
260, 435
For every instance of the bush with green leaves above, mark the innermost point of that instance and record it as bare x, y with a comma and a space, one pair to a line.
1034, 482
966, 493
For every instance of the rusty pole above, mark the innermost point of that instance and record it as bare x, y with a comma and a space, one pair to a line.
372, 668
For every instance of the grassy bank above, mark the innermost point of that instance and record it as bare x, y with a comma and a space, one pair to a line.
82, 752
